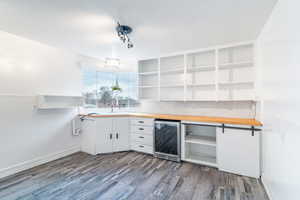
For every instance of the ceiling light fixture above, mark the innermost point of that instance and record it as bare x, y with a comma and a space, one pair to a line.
112, 62
123, 31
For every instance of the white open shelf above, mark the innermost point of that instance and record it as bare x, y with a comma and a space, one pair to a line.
148, 79
171, 86
173, 71
236, 54
205, 140
202, 159
236, 65
237, 83
200, 68
148, 66
148, 86
217, 74
170, 93
148, 73
198, 100
171, 99
202, 85
199, 144
53, 101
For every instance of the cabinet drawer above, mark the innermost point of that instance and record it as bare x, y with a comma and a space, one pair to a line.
142, 139
142, 129
142, 148
142, 121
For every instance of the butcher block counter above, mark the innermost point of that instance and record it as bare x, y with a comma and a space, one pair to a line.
195, 118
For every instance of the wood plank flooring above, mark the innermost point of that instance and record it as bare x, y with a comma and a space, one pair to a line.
127, 175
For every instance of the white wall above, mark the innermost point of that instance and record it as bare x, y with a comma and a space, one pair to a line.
280, 91
220, 109
29, 136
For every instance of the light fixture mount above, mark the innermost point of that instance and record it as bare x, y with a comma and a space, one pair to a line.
123, 32
124, 29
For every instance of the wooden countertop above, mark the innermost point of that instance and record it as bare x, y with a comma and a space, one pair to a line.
221, 120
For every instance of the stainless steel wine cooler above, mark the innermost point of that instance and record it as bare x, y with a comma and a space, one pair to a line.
167, 140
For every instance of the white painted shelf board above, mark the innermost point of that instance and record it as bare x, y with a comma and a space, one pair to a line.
55, 101
236, 45
204, 140
201, 68
236, 65
172, 86
58, 95
202, 85
181, 66
172, 71
148, 99
164, 99
236, 100
148, 73
237, 83
202, 159
203, 100
56, 107
148, 86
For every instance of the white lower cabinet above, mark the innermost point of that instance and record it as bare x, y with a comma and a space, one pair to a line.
88, 137
231, 150
121, 130
142, 135
105, 135
238, 151
145, 139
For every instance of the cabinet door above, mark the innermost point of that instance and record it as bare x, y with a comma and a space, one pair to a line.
121, 134
238, 151
104, 135
88, 136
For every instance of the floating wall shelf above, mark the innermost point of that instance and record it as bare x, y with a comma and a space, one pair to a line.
49, 101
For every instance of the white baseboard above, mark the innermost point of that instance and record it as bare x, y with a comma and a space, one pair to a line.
37, 161
266, 188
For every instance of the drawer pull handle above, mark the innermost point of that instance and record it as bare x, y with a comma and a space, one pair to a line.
110, 136
141, 122
141, 146
141, 129
141, 137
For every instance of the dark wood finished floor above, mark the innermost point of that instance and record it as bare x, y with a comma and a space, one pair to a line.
127, 175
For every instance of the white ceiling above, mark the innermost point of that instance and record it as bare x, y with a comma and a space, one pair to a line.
159, 26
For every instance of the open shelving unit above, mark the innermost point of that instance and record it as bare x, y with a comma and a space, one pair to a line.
148, 79
201, 76
222, 73
236, 73
198, 139
199, 144
172, 78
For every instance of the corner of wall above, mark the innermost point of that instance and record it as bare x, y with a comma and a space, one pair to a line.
266, 187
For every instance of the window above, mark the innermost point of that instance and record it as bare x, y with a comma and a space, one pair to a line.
106, 90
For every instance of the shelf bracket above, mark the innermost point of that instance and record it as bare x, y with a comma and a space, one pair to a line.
252, 130
223, 128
